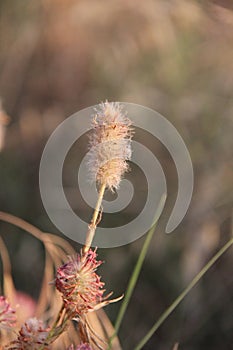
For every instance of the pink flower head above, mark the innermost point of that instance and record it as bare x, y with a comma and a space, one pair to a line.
83, 346
32, 336
81, 287
7, 314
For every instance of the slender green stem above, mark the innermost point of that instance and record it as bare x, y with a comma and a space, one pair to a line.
135, 274
178, 300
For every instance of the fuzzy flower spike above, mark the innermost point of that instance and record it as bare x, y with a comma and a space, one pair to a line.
110, 149
110, 145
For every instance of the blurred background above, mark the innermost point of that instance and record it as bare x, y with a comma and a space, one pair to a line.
174, 56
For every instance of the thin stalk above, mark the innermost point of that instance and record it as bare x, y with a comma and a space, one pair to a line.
135, 275
93, 224
178, 300
59, 320
60, 316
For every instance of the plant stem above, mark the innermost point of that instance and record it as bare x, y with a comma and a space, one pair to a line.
93, 224
135, 275
60, 319
178, 300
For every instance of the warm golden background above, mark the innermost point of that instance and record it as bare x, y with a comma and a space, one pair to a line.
175, 56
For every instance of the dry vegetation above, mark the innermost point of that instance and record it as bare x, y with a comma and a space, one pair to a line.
175, 56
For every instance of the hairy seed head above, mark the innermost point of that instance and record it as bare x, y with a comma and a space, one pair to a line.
110, 145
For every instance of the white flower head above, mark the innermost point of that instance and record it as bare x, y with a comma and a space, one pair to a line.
110, 145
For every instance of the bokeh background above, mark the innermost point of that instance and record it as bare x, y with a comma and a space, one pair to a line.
175, 56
